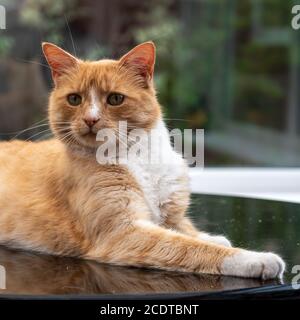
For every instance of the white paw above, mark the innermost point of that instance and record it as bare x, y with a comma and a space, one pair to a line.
251, 264
215, 239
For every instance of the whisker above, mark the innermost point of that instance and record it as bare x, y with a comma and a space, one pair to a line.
33, 62
31, 128
18, 133
36, 134
178, 119
122, 135
69, 133
45, 136
71, 36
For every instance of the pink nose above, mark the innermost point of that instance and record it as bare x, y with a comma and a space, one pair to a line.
90, 122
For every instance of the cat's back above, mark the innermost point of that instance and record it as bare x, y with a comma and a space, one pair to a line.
19, 155
25, 169
17, 148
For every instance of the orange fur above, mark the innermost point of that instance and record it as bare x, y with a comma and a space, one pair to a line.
55, 197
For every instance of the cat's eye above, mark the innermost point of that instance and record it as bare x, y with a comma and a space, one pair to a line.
115, 99
74, 99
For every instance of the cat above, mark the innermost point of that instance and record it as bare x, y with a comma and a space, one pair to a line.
56, 198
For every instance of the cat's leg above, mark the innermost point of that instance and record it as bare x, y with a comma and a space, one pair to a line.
173, 212
186, 226
144, 244
120, 232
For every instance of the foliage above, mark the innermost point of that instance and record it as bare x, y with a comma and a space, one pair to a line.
6, 44
192, 70
48, 16
185, 60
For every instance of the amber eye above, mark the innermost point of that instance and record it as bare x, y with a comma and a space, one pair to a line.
74, 99
115, 99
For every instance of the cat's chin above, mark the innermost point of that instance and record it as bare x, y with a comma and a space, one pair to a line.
87, 140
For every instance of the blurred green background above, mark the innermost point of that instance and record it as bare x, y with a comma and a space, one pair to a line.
230, 67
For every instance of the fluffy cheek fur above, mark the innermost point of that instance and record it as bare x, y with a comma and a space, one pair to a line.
60, 115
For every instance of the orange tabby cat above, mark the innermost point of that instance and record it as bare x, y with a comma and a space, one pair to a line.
56, 198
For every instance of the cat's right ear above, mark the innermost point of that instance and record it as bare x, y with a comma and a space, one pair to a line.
58, 59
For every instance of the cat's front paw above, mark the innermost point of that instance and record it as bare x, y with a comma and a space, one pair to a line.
215, 239
251, 264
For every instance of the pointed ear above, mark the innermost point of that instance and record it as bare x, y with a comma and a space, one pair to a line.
59, 60
141, 60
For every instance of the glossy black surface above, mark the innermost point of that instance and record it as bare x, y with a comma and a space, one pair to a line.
250, 223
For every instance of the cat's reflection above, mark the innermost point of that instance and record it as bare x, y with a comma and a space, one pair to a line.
29, 273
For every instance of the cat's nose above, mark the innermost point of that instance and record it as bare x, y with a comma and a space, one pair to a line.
91, 121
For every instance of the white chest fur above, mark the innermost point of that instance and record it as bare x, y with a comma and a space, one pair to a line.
158, 181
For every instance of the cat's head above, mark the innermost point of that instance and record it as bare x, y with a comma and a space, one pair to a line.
93, 95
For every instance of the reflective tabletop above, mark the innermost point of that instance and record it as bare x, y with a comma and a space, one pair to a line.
248, 223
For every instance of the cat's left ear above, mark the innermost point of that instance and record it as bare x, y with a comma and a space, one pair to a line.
141, 60
58, 59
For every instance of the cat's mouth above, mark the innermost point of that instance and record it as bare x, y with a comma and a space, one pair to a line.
89, 134
86, 138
